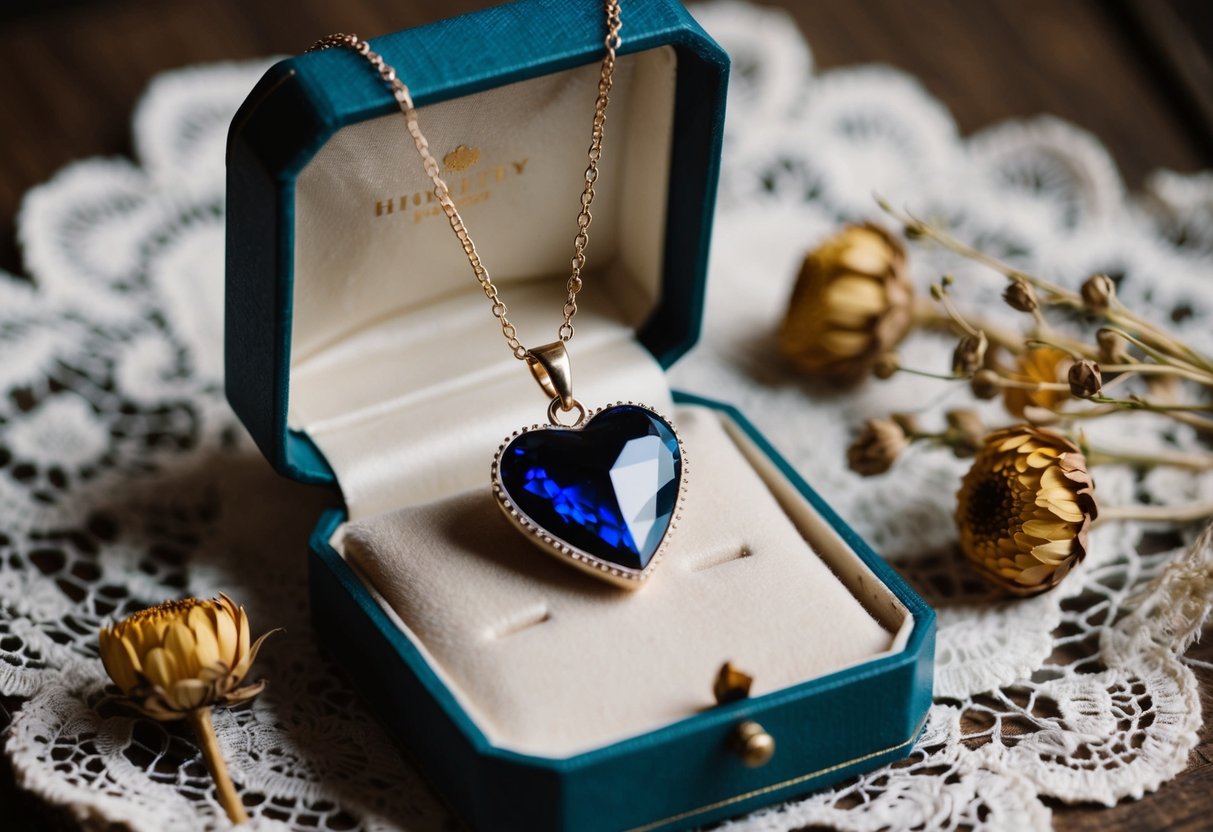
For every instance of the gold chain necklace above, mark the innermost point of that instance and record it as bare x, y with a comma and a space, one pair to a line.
604, 492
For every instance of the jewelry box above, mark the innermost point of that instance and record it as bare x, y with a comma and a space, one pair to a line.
361, 355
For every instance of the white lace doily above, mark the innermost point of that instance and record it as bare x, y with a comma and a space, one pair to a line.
125, 479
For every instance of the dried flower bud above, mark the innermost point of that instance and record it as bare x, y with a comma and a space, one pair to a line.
851, 304
1098, 290
885, 366
1085, 379
986, 384
877, 447
1021, 296
969, 355
966, 432
1037, 365
1024, 509
1112, 347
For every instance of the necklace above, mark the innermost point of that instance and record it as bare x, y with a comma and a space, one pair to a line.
602, 492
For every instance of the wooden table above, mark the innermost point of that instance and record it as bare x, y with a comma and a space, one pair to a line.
1130, 71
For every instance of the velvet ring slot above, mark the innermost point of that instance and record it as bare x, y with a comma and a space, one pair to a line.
642, 659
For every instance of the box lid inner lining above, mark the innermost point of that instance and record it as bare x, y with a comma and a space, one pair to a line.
399, 372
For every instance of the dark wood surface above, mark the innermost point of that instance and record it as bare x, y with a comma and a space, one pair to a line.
1133, 72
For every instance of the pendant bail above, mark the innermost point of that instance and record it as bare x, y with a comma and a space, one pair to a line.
551, 368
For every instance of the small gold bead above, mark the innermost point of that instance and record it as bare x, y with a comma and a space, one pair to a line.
753, 744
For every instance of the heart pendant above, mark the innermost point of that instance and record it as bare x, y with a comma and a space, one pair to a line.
604, 495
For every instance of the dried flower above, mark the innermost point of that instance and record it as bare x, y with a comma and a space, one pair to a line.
851, 304
1037, 365
965, 432
969, 355
182, 655
877, 447
176, 660
1024, 509
1097, 292
1085, 379
1112, 347
1021, 296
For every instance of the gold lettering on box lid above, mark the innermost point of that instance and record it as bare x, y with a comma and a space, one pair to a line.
464, 190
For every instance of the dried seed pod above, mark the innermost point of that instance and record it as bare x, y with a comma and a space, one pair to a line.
966, 432
986, 384
1113, 349
877, 447
1021, 296
969, 355
1097, 291
1085, 379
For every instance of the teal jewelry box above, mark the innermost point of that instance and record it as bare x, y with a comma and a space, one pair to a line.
361, 354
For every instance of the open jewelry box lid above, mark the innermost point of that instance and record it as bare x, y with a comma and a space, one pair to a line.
303, 102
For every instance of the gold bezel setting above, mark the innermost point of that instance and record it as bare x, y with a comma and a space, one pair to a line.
552, 544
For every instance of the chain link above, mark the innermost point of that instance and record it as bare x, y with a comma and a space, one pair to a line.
405, 101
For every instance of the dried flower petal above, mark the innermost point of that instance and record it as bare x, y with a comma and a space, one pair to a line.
181, 655
1037, 365
851, 305
1024, 509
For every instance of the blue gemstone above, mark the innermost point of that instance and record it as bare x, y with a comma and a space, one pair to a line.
609, 488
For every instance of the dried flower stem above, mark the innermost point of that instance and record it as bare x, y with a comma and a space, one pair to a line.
1107, 456
1186, 513
1075, 349
928, 316
1055, 294
1191, 420
200, 718
1153, 407
1160, 370
1162, 358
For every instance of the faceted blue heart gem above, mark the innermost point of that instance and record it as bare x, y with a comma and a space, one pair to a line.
609, 488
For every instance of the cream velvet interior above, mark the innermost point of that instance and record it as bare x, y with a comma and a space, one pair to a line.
550, 662
400, 376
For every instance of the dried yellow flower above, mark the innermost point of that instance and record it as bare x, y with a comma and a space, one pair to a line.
851, 304
1024, 509
1037, 365
181, 656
